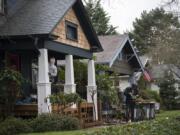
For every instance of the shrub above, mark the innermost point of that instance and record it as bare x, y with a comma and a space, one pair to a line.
168, 91
13, 126
43, 123
64, 100
149, 95
54, 122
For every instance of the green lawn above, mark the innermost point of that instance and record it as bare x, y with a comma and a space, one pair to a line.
154, 127
60, 133
76, 132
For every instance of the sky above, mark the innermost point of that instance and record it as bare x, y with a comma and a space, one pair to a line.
124, 12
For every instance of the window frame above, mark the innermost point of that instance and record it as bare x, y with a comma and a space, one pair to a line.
120, 56
71, 24
2, 5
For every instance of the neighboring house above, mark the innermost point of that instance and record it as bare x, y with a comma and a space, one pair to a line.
120, 56
158, 72
32, 31
125, 80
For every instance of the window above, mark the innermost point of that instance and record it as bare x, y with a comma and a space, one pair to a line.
2, 7
71, 31
120, 56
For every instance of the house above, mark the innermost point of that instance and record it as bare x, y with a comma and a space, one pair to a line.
33, 31
125, 82
120, 56
158, 72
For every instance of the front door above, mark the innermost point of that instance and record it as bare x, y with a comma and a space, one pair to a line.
13, 61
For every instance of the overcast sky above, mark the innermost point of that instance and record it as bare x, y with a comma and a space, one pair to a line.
124, 12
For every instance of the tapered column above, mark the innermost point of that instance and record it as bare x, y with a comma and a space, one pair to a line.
43, 86
92, 88
70, 86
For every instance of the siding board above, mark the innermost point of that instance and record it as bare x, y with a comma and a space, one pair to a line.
122, 67
60, 31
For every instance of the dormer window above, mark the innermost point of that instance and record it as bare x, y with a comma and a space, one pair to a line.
2, 7
71, 31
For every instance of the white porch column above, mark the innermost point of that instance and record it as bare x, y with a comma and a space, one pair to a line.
43, 86
92, 88
70, 86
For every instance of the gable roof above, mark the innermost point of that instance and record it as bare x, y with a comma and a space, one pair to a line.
36, 17
112, 46
40, 17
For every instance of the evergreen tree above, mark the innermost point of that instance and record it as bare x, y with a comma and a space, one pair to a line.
168, 92
99, 18
154, 29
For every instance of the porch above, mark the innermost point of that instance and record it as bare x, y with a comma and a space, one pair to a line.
31, 58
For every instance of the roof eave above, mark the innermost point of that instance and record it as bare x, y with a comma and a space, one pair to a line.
97, 45
47, 36
102, 62
137, 57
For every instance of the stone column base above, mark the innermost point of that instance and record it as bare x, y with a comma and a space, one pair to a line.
44, 90
68, 89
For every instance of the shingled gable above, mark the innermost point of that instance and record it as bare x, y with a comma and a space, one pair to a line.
40, 18
112, 46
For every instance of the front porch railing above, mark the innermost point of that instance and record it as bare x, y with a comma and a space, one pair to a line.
83, 111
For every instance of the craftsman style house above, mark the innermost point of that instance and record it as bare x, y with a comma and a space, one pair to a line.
121, 57
33, 31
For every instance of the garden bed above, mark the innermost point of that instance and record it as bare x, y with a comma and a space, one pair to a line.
166, 123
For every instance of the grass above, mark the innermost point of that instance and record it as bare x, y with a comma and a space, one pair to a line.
163, 124
61, 133
76, 132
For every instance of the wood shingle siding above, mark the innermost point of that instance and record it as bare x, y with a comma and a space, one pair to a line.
122, 66
60, 31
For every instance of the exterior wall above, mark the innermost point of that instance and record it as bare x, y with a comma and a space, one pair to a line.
23, 64
121, 83
121, 66
26, 70
60, 31
154, 87
124, 83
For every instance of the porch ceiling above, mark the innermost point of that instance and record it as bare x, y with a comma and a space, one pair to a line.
60, 50
56, 49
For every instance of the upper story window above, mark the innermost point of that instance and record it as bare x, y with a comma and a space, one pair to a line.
120, 56
2, 6
71, 31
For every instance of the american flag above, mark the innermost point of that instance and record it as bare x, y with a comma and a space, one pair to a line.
147, 76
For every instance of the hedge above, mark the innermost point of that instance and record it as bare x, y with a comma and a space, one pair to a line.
43, 123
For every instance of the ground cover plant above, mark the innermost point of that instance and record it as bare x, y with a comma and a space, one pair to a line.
161, 126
